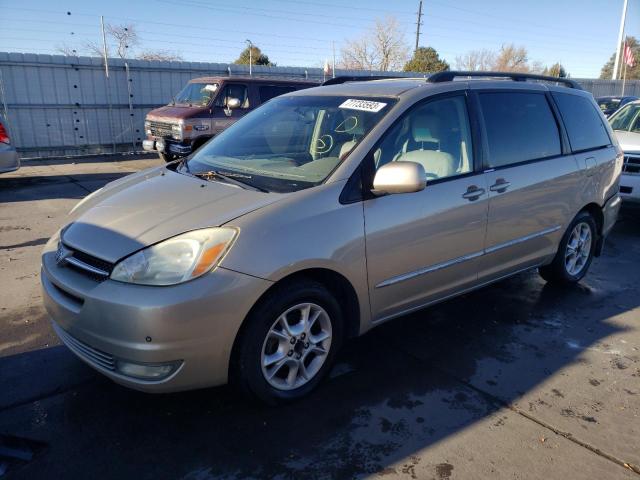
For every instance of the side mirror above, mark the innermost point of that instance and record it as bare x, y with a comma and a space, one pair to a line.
399, 177
232, 104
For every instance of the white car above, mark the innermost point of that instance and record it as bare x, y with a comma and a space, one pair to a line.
626, 125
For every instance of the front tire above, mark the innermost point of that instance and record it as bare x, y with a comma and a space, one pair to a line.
289, 343
575, 252
167, 157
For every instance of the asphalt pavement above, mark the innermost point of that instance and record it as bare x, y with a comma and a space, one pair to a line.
517, 380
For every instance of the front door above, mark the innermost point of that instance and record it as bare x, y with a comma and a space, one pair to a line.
222, 116
424, 246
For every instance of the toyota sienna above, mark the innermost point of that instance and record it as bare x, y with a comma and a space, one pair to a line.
326, 212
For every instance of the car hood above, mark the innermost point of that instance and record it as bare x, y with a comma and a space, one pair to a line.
629, 141
153, 205
172, 113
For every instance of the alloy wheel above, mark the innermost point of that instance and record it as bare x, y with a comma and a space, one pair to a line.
296, 346
578, 249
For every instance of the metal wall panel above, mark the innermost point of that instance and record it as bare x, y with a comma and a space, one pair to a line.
59, 105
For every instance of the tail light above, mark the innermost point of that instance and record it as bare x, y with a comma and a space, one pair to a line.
4, 135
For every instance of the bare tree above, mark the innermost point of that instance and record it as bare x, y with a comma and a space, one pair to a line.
381, 48
512, 59
125, 38
95, 49
66, 49
476, 60
509, 58
162, 55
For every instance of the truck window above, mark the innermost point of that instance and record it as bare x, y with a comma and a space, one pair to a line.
267, 92
233, 90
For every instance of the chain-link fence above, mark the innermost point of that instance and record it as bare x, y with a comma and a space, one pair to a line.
57, 105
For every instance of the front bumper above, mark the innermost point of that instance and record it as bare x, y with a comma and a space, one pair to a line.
191, 326
164, 145
630, 188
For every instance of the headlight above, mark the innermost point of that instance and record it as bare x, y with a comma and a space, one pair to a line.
176, 132
147, 128
177, 259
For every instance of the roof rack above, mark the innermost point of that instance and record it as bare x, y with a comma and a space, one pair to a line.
448, 76
356, 78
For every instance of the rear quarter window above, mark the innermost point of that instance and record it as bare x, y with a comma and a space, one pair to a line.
582, 121
520, 126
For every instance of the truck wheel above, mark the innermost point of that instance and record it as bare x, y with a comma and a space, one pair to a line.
575, 252
167, 157
289, 343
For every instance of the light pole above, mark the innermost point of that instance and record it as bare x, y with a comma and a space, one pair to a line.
250, 55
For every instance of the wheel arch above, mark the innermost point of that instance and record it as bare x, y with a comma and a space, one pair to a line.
595, 211
333, 281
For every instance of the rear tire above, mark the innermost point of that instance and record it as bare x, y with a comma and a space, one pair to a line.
279, 355
575, 252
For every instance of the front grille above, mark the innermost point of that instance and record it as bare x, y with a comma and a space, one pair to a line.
631, 164
160, 129
92, 355
93, 267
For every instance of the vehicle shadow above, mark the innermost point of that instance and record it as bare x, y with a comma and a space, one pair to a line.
403, 387
49, 187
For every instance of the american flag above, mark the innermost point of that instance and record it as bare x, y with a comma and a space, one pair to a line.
628, 56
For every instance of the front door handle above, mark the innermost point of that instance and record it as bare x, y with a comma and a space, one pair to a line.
473, 193
500, 186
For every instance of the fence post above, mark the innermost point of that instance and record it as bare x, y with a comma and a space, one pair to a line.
129, 80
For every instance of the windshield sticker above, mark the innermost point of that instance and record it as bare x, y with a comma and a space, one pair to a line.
364, 105
211, 88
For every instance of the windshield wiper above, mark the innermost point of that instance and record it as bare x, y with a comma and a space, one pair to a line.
230, 177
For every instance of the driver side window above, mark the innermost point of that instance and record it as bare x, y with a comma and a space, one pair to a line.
435, 134
233, 90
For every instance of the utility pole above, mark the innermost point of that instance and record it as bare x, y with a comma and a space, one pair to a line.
250, 55
418, 23
616, 63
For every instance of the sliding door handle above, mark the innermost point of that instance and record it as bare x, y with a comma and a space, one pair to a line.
473, 193
500, 186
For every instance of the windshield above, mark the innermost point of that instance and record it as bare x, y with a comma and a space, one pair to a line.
291, 143
627, 118
196, 94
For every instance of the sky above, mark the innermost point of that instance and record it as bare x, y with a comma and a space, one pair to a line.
580, 34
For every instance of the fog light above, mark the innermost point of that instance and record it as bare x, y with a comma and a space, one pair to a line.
145, 372
160, 145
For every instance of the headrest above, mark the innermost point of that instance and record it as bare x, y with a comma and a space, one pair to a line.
422, 128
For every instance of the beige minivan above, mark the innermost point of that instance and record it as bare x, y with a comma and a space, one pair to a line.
324, 213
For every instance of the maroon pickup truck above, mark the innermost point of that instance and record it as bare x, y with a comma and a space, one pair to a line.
204, 108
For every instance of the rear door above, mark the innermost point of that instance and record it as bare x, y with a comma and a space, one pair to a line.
532, 178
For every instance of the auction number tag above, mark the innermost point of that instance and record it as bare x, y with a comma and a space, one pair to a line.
364, 105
